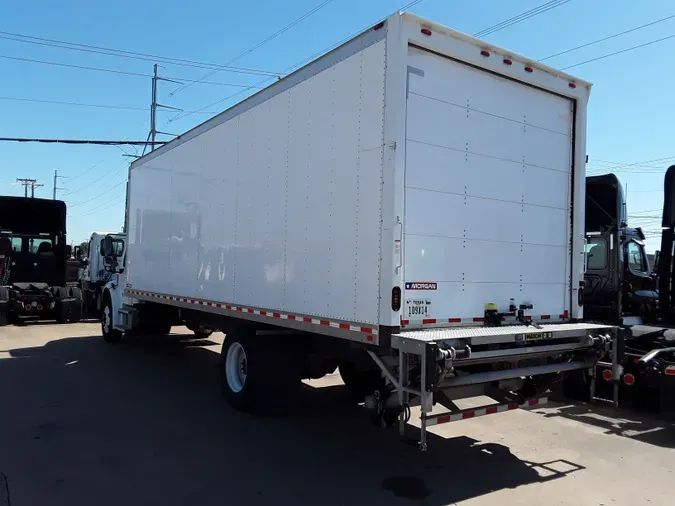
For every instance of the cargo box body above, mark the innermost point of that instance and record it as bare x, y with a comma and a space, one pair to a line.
412, 158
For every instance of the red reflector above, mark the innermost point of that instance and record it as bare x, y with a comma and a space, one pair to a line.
39, 307
478, 319
454, 320
396, 298
485, 53
529, 69
307, 320
572, 85
27, 307
378, 26
405, 322
546, 317
428, 321
607, 374
629, 379
507, 61
426, 31
344, 326
670, 370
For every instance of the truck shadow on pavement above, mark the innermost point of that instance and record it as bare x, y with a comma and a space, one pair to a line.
144, 423
623, 422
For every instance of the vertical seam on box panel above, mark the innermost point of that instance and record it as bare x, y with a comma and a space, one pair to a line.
288, 141
307, 191
329, 263
270, 170
358, 186
236, 218
382, 141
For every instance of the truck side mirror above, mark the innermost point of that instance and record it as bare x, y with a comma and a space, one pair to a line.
77, 252
108, 248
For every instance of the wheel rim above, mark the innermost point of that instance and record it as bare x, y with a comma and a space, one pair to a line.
105, 320
235, 367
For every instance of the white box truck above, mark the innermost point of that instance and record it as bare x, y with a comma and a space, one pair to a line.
408, 207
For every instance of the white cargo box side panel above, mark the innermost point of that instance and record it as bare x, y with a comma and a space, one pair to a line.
275, 205
487, 193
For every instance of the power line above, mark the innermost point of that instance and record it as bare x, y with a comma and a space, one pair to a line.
78, 141
120, 53
57, 102
609, 37
93, 182
545, 7
259, 44
619, 52
120, 72
296, 65
98, 196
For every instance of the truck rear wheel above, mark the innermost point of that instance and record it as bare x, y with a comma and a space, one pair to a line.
360, 382
109, 333
4, 306
256, 375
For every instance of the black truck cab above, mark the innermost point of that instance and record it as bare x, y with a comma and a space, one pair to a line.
619, 285
33, 257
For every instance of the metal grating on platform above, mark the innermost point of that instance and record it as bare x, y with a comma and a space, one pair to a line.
470, 332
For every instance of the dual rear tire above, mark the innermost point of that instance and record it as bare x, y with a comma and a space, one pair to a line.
258, 374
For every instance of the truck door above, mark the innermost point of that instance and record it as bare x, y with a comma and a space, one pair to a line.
603, 282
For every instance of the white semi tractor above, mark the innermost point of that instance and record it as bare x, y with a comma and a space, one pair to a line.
408, 207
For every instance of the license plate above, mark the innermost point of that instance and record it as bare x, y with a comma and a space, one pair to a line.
417, 308
538, 336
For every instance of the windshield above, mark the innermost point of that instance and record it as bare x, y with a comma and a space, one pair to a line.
31, 244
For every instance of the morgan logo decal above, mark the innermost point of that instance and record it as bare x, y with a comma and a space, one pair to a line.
420, 285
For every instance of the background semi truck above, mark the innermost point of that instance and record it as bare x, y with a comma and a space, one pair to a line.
33, 259
409, 208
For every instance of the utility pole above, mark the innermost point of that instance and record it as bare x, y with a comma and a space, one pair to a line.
154, 105
56, 177
26, 182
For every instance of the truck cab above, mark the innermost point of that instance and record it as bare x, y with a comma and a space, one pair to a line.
34, 282
619, 284
97, 271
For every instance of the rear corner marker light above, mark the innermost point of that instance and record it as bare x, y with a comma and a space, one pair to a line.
426, 31
670, 370
529, 69
572, 85
629, 379
396, 298
485, 53
607, 375
378, 26
39, 307
507, 61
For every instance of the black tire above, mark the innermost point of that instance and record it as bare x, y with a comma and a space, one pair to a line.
270, 379
110, 334
360, 382
200, 332
576, 386
4, 306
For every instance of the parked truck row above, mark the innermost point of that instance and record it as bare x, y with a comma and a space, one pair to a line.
408, 208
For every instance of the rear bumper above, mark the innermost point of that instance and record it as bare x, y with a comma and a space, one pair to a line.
505, 340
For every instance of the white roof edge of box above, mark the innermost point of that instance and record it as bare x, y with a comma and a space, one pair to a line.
407, 16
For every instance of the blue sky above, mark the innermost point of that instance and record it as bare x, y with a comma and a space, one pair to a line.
629, 113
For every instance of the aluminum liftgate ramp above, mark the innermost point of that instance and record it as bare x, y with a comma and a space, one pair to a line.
440, 351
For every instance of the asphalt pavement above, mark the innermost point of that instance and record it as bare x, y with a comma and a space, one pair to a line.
86, 423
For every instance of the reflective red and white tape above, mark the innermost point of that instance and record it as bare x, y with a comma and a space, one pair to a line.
475, 319
490, 410
369, 333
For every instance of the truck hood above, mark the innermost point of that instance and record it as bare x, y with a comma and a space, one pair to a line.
605, 207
